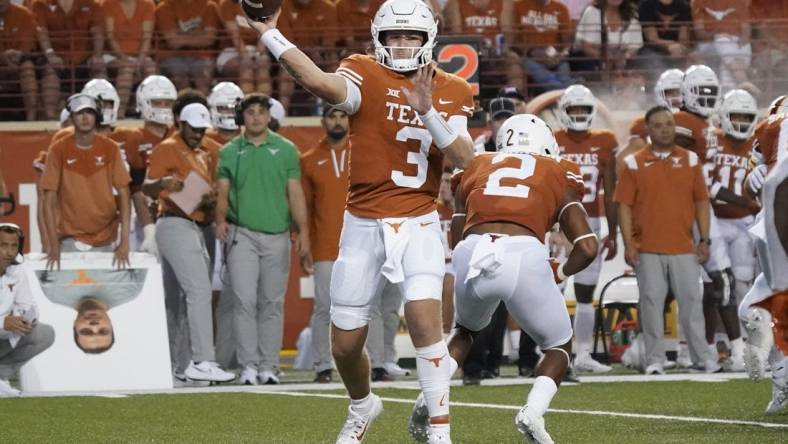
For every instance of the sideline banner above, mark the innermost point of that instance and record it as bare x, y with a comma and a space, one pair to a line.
110, 325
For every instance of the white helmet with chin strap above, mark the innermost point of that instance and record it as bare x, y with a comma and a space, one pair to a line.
669, 80
577, 96
526, 133
738, 101
156, 88
700, 90
404, 15
222, 102
103, 91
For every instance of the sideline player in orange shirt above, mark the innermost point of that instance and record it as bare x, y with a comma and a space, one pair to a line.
406, 114
764, 310
770, 143
734, 216
594, 151
82, 164
222, 103
324, 175
505, 204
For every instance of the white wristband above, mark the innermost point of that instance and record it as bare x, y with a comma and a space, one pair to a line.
560, 273
441, 132
276, 42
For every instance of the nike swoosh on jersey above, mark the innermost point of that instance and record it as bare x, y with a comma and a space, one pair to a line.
70, 161
444, 102
321, 162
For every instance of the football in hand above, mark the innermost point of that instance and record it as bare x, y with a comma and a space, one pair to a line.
260, 10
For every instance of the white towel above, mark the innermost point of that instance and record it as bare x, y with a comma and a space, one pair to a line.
396, 235
487, 257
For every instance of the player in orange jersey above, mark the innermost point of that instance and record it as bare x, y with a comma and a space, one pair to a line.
406, 114
594, 151
505, 204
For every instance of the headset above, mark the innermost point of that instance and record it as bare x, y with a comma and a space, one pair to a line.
20, 236
97, 105
246, 102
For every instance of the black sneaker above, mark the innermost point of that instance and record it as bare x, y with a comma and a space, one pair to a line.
323, 377
526, 372
379, 374
471, 379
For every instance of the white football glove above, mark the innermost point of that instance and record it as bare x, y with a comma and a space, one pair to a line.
757, 178
149, 242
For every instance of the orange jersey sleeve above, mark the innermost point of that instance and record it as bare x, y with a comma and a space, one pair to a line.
522, 189
591, 151
395, 169
695, 134
773, 142
638, 128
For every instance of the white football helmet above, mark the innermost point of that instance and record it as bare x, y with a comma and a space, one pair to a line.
410, 15
700, 90
778, 106
103, 91
577, 96
738, 101
526, 133
668, 81
222, 102
156, 88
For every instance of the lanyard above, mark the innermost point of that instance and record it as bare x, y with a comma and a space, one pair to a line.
338, 167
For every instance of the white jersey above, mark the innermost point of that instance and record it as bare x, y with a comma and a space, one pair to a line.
771, 252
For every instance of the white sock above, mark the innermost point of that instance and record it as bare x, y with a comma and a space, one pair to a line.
737, 348
362, 405
514, 339
584, 327
541, 394
433, 365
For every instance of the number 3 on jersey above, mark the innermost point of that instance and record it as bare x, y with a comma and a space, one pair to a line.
418, 158
526, 170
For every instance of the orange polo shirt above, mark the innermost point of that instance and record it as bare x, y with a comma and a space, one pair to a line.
663, 194
75, 173
127, 31
324, 175
173, 157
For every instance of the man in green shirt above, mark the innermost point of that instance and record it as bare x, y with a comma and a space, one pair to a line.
260, 195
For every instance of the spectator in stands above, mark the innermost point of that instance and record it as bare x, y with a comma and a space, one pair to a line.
723, 30
22, 337
312, 26
259, 197
83, 172
186, 157
616, 46
770, 18
324, 175
576, 8
666, 34
538, 34
246, 62
480, 18
128, 25
353, 19
516, 96
498, 110
662, 194
17, 46
188, 30
70, 34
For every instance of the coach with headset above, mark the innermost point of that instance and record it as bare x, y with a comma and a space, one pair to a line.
260, 196
21, 336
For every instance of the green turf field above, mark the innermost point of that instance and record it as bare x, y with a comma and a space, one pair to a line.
316, 416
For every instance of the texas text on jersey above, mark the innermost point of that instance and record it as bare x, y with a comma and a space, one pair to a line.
591, 150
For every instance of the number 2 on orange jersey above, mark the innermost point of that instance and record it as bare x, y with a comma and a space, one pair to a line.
526, 170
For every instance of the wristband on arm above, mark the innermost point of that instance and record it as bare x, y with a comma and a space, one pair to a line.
276, 42
442, 134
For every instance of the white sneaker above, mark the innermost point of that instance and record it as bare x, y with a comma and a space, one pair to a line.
779, 388
760, 339
736, 364
532, 426
395, 370
207, 371
356, 426
683, 359
248, 376
419, 423
655, 369
440, 435
585, 363
668, 365
712, 366
267, 377
7, 391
